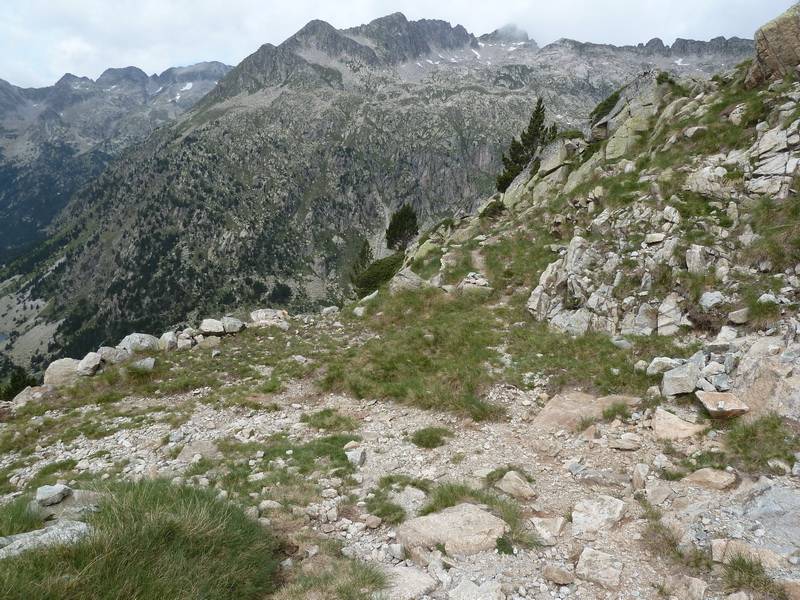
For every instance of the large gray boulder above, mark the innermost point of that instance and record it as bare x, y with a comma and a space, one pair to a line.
270, 317
681, 380
168, 341
463, 530
232, 325
212, 327
406, 279
62, 372
138, 342
90, 364
592, 515
113, 356
60, 533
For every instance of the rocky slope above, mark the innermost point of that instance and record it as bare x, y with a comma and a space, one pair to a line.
588, 389
55, 139
266, 191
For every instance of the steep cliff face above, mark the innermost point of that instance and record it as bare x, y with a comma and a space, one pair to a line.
55, 139
266, 190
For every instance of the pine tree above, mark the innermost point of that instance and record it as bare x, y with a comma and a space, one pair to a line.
522, 151
402, 228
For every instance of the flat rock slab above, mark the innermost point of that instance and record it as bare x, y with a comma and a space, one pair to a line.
567, 410
722, 405
407, 583
60, 533
463, 530
599, 567
592, 515
467, 590
713, 479
62, 372
671, 427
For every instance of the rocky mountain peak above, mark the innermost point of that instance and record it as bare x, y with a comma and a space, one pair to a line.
124, 75
507, 34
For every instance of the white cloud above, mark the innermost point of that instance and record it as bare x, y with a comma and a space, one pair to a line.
42, 39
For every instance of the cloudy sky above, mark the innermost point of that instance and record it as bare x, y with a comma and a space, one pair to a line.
40, 40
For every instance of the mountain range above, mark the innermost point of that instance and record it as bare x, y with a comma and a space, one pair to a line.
267, 188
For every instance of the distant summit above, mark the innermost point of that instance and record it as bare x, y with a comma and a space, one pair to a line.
508, 34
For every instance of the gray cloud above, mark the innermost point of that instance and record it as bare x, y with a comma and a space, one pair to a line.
40, 40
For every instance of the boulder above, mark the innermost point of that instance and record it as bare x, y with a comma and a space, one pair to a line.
661, 364
406, 279
62, 372
722, 405
710, 300
58, 534
548, 529
777, 48
113, 356
232, 325
687, 588
515, 486
52, 494
671, 427
592, 515
138, 342
713, 479
212, 327
408, 583
566, 410
463, 530
270, 317
356, 456
681, 380
599, 567
669, 315
40, 393
145, 364
739, 317
90, 364
168, 341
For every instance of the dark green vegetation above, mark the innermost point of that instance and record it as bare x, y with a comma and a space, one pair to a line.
431, 437
153, 540
402, 228
377, 274
16, 381
606, 106
521, 151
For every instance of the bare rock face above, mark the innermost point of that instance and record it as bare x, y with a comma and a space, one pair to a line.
777, 48
565, 411
671, 427
463, 530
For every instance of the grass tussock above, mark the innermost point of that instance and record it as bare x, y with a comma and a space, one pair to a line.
330, 419
380, 504
153, 540
431, 437
746, 574
662, 541
16, 518
752, 445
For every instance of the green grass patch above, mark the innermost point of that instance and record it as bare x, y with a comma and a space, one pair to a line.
16, 518
752, 445
330, 419
497, 474
435, 360
380, 505
618, 410
153, 540
431, 437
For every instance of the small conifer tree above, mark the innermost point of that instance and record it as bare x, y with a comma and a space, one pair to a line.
523, 150
402, 228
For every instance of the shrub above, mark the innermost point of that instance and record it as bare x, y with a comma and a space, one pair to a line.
153, 540
431, 437
378, 274
606, 106
616, 410
743, 573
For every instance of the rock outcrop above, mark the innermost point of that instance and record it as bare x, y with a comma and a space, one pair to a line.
777, 48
